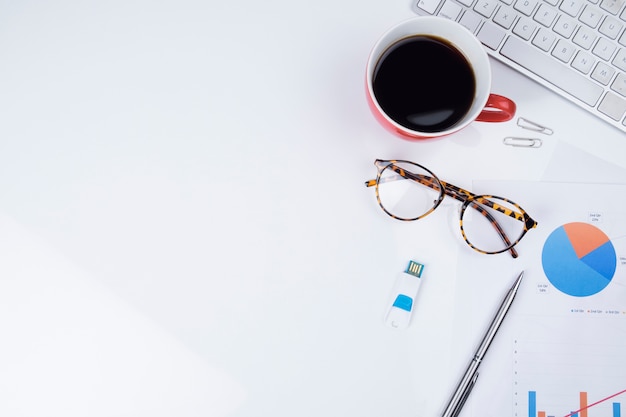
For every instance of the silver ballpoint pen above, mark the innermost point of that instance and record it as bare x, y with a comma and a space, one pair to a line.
463, 389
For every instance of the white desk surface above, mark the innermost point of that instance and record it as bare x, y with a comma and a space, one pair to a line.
184, 228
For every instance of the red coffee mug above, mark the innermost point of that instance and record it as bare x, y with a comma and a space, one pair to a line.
483, 107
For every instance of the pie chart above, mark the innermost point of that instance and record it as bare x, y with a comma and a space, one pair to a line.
579, 259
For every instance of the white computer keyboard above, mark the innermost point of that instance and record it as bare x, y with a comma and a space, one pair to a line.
576, 48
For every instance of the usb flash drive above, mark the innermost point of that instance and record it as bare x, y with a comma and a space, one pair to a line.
405, 290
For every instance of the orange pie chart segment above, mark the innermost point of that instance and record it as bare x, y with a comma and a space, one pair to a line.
584, 238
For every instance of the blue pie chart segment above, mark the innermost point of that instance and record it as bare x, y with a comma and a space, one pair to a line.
579, 259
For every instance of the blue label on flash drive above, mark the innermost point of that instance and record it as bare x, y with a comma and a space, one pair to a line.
403, 302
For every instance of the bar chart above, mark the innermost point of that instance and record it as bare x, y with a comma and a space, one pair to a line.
577, 378
585, 407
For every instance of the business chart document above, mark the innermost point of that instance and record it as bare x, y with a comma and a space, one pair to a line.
562, 351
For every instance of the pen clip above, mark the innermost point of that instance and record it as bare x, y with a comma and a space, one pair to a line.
466, 394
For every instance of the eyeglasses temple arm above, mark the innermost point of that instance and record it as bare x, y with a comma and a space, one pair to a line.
495, 225
450, 190
462, 195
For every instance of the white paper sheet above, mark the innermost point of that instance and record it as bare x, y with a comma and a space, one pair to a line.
546, 320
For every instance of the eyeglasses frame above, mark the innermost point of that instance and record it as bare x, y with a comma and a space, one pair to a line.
466, 197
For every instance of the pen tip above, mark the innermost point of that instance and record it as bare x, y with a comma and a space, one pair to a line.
518, 281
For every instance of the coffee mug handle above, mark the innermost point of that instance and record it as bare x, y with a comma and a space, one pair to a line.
497, 109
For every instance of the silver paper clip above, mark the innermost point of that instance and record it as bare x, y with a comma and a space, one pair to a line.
536, 127
522, 142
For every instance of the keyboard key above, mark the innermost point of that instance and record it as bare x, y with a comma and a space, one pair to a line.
604, 49
450, 10
584, 37
545, 15
525, 6
572, 7
524, 28
491, 35
603, 73
611, 27
545, 67
619, 85
590, 16
612, 6
613, 106
563, 50
486, 7
583, 62
565, 26
429, 6
505, 16
470, 20
620, 59
544, 39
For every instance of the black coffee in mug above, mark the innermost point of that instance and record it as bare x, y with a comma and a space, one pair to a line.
424, 83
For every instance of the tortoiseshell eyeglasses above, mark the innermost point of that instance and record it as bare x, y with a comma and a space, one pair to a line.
408, 191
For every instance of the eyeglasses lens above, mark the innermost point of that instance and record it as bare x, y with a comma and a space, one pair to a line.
407, 191
487, 227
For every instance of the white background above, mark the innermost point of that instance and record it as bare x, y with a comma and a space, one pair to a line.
184, 228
